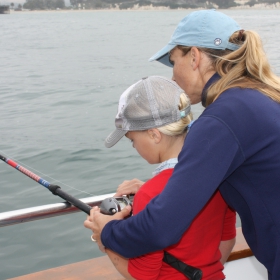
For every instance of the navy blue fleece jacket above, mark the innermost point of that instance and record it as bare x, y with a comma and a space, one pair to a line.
234, 146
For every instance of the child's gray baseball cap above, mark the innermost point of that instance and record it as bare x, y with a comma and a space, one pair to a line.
151, 102
206, 28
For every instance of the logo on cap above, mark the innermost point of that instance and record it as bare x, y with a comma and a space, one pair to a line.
217, 41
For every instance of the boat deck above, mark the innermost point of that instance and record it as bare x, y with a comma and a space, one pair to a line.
102, 269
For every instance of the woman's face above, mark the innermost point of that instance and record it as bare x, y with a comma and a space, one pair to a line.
186, 74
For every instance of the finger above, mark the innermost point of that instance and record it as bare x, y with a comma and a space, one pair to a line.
87, 224
129, 187
101, 247
94, 238
126, 191
123, 214
93, 210
121, 188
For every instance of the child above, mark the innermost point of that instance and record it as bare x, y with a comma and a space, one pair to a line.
154, 114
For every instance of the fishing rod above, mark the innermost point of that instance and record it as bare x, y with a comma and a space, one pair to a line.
54, 189
109, 206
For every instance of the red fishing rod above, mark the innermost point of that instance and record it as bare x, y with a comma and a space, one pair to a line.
54, 189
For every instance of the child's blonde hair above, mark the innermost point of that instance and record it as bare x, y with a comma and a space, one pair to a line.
180, 127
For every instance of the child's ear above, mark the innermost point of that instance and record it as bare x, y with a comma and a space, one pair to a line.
155, 135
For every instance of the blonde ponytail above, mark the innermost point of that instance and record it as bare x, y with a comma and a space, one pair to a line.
178, 128
246, 67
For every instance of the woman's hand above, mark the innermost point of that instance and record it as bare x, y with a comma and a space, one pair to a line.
129, 187
97, 221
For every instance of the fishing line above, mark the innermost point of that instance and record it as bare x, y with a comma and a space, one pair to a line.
38, 171
54, 189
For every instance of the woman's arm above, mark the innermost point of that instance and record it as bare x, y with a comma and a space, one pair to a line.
120, 263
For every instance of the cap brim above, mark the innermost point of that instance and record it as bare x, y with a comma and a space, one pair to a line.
163, 55
114, 137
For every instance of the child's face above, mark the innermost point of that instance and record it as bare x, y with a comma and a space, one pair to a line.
143, 142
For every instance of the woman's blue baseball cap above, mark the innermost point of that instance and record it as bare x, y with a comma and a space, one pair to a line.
205, 28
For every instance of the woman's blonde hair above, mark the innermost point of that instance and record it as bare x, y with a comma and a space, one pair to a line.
180, 127
246, 67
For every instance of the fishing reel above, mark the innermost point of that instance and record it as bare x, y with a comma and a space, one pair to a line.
112, 205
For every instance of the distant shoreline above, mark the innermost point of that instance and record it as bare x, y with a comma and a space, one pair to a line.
262, 6
268, 7
242, 4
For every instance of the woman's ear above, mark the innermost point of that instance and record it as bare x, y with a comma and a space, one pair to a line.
195, 57
155, 135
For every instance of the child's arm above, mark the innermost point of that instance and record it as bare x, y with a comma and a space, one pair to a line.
228, 236
143, 267
120, 263
226, 248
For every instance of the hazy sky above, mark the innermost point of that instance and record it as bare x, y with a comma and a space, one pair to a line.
7, 2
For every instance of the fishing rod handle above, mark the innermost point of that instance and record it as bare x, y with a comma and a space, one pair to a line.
56, 190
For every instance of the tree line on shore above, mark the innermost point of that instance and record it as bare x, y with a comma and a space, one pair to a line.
44, 4
127, 4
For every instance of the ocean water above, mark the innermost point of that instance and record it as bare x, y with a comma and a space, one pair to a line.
61, 76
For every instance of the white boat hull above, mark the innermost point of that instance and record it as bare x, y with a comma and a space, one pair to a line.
245, 269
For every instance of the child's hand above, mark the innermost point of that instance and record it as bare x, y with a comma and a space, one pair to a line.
129, 187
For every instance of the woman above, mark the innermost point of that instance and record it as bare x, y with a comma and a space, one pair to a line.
232, 146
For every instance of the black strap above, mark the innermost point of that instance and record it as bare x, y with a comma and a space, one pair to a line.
190, 272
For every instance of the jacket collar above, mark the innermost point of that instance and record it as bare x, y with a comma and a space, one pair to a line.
212, 80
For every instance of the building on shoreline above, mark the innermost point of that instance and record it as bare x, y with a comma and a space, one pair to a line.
4, 9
